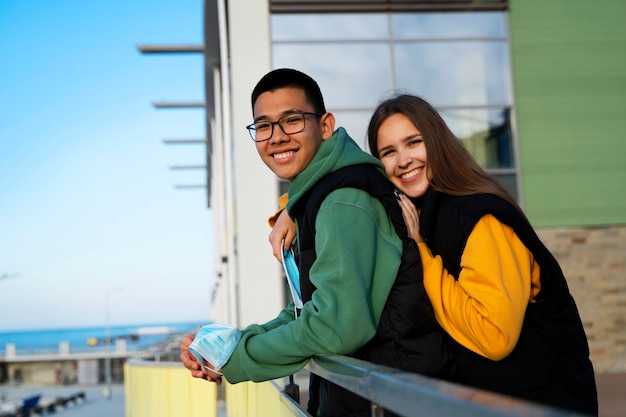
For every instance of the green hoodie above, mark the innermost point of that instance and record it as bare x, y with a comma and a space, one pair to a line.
358, 255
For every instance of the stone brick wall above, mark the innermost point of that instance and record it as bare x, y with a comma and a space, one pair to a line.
594, 262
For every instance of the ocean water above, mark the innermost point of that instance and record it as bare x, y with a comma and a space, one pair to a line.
81, 339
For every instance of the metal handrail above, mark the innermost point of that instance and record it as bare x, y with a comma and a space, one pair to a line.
410, 394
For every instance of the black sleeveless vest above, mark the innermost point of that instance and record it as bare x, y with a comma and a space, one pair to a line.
408, 336
550, 363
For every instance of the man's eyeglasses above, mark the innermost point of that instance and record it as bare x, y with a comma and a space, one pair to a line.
290, 123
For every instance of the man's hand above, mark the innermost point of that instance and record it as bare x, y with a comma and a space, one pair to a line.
189, 361
284, 229
211, 374
198, 370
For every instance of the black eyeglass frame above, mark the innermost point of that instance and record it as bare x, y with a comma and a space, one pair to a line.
252, 129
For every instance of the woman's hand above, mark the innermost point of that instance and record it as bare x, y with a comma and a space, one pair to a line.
284, 229
411, 217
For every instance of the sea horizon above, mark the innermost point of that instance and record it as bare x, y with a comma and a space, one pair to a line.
98, 325
136, 336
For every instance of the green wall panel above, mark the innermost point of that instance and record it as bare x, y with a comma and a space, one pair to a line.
569, 78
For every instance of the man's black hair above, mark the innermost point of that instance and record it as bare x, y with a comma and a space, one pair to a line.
290, 78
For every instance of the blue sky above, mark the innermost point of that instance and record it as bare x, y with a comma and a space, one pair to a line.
87, 200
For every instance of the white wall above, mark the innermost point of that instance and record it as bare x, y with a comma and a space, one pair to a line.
259, 278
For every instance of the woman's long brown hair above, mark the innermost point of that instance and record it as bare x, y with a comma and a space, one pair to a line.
453, 169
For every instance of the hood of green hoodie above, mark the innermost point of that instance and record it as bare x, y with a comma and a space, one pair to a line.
334, 153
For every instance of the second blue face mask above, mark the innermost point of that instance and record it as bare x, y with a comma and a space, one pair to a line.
293, 276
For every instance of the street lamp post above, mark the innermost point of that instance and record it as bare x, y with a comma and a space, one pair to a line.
107, 341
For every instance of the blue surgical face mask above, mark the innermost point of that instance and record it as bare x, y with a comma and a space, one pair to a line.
293, 276
215, 343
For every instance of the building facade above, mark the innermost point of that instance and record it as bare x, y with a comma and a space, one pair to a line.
535, 90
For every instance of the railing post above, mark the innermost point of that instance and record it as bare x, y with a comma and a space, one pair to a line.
293, 390
377, 410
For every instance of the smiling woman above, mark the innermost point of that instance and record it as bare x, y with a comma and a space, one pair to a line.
495, 288
402, 151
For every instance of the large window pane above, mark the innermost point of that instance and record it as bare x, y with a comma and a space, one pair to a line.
509, 181
350, 76
312, 27
448, 25
486, 133
355, 123
458, 61
469, 73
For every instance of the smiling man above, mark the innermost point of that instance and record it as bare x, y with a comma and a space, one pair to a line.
347, 277
283, 138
